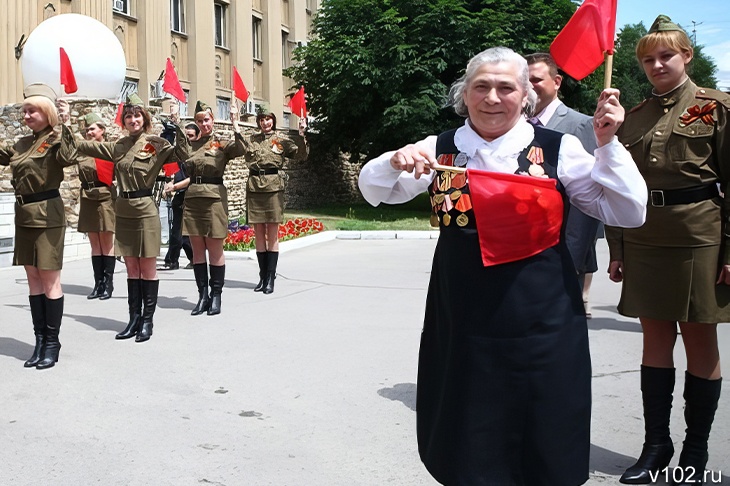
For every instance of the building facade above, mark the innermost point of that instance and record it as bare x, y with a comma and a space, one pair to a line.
204, 38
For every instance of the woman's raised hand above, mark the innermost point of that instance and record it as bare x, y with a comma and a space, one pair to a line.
608, 117
413, 158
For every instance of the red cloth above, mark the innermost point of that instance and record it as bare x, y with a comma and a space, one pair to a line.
517, 216
171, 83
170, 169
68, 79
298, 105
239, 89
579, 48
104, 171
119, 118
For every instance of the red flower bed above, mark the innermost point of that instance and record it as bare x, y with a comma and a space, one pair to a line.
241, 238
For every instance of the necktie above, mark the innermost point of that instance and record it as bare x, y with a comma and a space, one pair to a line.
535, 121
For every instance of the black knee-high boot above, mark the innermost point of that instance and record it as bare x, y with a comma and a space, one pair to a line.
657, 386
217, 279
98, 266
38, 315
700, 397
262, 257
52, 347
271, 262
150, 289
107, 282
134, 299
200, 270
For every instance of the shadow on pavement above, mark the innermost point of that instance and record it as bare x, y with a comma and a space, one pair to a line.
99, 323
401, 392
17, 349
605, 323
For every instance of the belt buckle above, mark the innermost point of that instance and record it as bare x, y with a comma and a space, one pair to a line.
198, 179
657, 198
19, 199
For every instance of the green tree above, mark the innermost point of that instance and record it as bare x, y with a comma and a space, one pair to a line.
377, 72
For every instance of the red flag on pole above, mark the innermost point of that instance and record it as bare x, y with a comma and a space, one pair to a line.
239, 89
171, 83
104, 171
298, 105
68, 80
579, 48
170, 168
118, 119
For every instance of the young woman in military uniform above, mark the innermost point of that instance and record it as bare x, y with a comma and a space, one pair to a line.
37, 163
137, 159
266, 152
205, 216
673, 269
96, 214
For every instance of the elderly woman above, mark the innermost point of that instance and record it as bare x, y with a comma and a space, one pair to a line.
266, 152
96, 213
37, 161
137, 159
205, 216
504, 392
673, 268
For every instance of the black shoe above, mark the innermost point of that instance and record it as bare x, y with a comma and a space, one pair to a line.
200, 270
38, 315
189, 266
97, 263
52, 348
262, 257
271, 261
217, 279
150, 288
651, 463
107, 283
134, 299
169, 266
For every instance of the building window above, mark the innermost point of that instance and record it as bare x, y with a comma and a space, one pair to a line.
183, 105
257, 37
177, 15
220, 25
224, 108
130, 86
285, 54
310, 6
121, 6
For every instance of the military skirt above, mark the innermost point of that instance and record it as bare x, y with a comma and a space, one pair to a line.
265, 207
205, 216
96, 215
673, 284
39, 247
138, 237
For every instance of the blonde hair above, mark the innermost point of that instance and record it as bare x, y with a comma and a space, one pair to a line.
44, 105
676, 40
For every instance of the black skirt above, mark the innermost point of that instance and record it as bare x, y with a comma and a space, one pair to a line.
504, 377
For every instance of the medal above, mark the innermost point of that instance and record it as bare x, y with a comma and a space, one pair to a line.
276, 147
455, 195
462, 220
438, 198
434, 220
536, 171
461, 160
446, 219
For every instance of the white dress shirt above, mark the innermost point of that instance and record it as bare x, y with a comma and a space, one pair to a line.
608, 187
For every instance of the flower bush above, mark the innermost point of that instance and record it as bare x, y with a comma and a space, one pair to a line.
241, 237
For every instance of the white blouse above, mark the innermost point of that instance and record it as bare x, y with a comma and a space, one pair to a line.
608, 187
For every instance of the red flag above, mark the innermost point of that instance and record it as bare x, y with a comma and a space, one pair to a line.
170, 169
171, 83
68, 80
118, 119
104, 171
579, 48
298, 105
239, 89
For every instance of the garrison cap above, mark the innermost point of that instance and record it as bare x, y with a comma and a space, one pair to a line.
92, 118
201, 107
39, 89
664, 24
134, 100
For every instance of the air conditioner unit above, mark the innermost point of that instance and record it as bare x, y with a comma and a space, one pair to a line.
250, 107
302, 43
157, 91
119, 5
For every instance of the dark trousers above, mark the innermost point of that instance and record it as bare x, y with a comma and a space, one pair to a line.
177, 241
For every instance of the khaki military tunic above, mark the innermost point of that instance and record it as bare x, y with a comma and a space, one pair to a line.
671, 263
37, 163
96, 208
137, 161
206, 205
267, 152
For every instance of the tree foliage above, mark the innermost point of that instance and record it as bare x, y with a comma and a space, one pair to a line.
377, 72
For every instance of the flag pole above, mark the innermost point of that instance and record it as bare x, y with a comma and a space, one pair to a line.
608, 64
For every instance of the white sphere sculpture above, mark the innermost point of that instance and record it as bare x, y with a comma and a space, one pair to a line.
95, 53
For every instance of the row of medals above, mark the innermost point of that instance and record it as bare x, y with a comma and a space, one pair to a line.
443, 182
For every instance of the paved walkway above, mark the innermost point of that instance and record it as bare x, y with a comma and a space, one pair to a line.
312, 385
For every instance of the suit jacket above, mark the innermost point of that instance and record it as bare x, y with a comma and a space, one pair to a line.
580, 229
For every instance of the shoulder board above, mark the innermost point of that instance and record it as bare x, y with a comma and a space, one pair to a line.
639, 106
713, 94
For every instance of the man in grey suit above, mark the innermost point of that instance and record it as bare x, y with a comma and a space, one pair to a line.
580, 229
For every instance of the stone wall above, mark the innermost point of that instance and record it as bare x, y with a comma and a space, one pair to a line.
319, 180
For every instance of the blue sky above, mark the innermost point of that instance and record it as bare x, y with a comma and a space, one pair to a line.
712, 25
